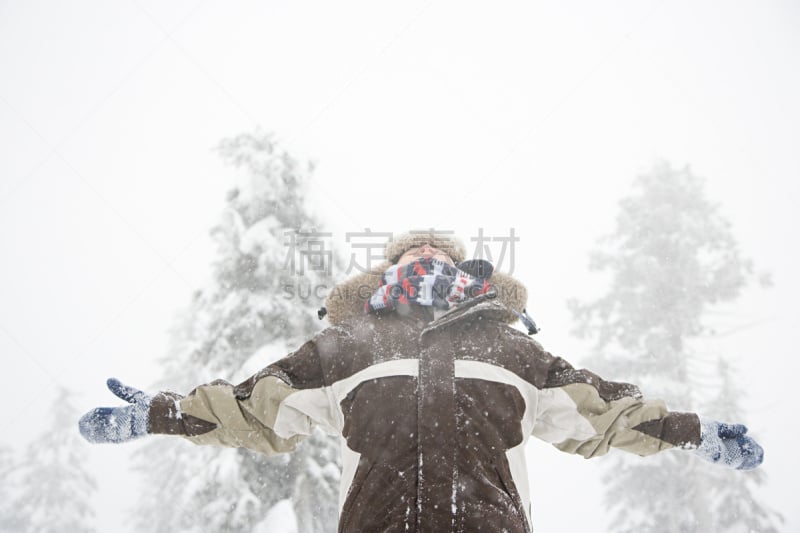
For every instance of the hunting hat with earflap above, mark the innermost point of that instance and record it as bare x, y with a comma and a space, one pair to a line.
442, 240
346, 300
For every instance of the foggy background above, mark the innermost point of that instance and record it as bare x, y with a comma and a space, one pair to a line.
535, 117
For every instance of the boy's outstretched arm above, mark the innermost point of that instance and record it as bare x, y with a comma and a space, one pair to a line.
211, 414
270, 412
581, 413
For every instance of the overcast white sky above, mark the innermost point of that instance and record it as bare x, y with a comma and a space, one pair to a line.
529, 115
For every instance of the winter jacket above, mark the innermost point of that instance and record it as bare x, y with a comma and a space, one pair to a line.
433, 412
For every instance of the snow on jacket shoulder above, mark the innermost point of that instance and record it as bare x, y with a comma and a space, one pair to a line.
434, 415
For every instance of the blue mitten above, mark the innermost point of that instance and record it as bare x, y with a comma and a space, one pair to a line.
118, 424
727, 444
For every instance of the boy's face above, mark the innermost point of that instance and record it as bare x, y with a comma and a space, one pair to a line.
425, 251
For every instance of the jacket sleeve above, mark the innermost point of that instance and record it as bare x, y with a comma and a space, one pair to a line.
581, 413
270, 412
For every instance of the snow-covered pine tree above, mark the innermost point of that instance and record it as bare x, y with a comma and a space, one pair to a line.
259, 305
670, 259
52, 486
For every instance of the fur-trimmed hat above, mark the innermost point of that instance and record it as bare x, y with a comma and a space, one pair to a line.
346, 300
396, 247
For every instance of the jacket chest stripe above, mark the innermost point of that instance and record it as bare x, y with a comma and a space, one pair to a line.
489, 372
341, 388
302, 408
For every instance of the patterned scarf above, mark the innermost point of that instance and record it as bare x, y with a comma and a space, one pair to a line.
429, 282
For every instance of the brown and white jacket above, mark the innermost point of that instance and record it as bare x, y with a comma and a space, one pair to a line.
434, 414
